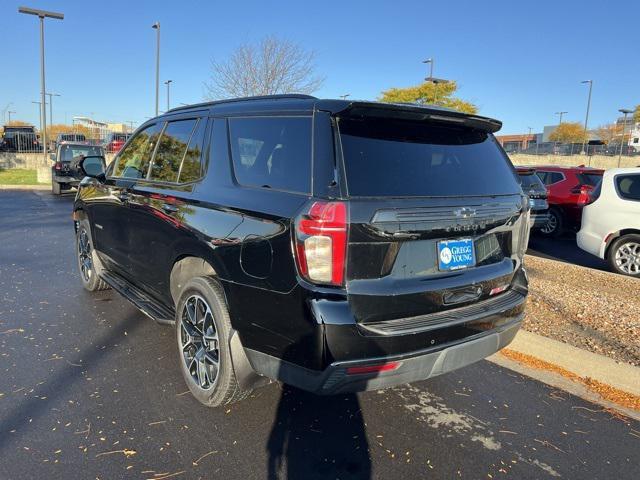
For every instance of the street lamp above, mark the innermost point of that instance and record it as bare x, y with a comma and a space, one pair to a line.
168, 84
586, 118
625, 112
434, 80
157, 27
40, 113
344, 97
51, 95
42, 14
561, 113
10, 112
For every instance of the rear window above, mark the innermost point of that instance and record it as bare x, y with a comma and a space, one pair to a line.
385, 157
628, 186
530, 181
272, 152
589, 178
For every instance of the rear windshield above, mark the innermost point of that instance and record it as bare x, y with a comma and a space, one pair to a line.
589, 178
396, 158
530, 181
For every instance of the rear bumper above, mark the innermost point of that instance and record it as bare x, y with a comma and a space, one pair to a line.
413, 366
591, 243
65, 179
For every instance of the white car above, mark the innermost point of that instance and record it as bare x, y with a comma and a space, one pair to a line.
611, 221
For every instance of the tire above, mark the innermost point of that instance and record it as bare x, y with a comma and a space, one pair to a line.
55, 187
624, 255
202, 305
555, 225
88, 263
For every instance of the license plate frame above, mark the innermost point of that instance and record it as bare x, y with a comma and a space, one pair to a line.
455, 254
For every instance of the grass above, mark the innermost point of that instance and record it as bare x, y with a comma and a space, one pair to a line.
18, 176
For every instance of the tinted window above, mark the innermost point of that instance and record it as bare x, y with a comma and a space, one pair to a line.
385, 157
191, 169
530, 181
589, 178
272, 152
628, 186
69, 152
550, 177
171, 150
133, 161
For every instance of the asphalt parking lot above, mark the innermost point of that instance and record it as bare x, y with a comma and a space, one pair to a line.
564, 249
89, 388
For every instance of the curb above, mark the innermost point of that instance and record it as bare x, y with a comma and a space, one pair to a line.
581, 362
25, 187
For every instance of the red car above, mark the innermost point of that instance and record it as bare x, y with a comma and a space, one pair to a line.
569, 191
115, 142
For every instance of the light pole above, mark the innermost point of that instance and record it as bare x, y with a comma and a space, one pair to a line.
344, 97
51, 95
10, 112
561, 113
157, 27
625, 112
168, 84
586, 118
40, 113
42, 14
432, 79
526, 145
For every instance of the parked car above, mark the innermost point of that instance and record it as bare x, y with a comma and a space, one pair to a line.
611, 221
333, 245
568, 192
533, 187
115, 141
613, 149
65, 172
20, 139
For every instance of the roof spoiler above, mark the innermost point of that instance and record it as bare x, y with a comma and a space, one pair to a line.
418, 113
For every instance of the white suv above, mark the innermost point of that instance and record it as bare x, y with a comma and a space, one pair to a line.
611, 221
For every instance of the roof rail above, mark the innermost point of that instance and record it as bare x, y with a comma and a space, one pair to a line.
244, 99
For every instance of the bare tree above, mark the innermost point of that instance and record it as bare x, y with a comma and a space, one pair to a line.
268, 67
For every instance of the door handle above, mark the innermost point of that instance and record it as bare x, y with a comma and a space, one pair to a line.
169, 208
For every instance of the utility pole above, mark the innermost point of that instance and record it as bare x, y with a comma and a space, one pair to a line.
51, 95
586, 118
42, 14
156, 26
625, 112
561, 113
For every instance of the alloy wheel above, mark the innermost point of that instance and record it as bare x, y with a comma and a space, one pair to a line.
551, 225
199, 342
628, 258
84, 255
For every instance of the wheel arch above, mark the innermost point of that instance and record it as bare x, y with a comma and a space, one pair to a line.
186, 267
615, 235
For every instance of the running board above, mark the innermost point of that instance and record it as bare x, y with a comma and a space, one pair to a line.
145, 304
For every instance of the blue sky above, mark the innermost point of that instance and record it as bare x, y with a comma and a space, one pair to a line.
518, 61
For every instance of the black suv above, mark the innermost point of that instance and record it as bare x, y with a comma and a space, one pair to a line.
65, 172
332, 245
537, 193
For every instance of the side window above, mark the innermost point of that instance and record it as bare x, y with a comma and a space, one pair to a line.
191, 169
134, 160
628, 186
171, 150
542, 176
272, 152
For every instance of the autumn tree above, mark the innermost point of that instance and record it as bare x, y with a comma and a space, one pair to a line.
270, 66
609, 132
636, 114
569, 132
54, 130
442, 94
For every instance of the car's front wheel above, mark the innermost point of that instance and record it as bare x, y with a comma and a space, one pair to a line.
624, 255
203, 331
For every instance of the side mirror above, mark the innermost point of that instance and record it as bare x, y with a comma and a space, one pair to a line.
93, 166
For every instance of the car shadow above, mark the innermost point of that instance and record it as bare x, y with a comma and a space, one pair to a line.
318, 437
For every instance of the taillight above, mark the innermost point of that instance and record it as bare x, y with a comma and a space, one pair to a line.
58, 166
321, 242
583, 192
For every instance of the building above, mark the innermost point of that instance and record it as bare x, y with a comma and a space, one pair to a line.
513, 143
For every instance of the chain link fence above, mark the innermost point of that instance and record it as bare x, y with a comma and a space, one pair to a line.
567, 149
